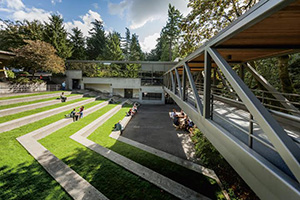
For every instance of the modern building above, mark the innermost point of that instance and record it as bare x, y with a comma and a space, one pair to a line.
146, 89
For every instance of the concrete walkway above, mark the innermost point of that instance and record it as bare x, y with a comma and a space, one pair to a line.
30, 98
19, 109
153, 127
153, 177
73, 183
7, 126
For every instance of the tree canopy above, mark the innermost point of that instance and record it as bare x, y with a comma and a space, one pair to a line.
38, 56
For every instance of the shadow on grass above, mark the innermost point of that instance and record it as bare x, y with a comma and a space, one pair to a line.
184, 176
29, 181
111, 179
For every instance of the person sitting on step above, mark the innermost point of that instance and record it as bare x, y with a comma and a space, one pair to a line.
63, 98
119, 127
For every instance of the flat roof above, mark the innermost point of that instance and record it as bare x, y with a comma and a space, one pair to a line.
270, 28
123, 61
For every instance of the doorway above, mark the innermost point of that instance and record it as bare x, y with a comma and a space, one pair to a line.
128, 93
75, 84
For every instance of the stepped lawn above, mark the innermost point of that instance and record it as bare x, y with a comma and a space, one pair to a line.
30, 95
109, 177
31, 102
21, 176
38, 110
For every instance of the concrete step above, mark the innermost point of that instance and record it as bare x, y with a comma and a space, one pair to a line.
73, 183
31, 98
19, 109
15, 94
7, 126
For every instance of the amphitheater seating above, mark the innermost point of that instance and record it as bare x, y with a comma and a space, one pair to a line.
68, 178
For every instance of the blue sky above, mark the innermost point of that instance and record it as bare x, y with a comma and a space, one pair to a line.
143, 17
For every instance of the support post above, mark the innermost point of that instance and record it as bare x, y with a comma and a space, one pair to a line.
173, 83
183, 84
207, 85
178, 83
250, 139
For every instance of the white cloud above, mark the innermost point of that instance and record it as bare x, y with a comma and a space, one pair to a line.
18, 11
54, 1
149, 42
118, 9
139, 12
95, 5
31, 14
14, 4
85, 24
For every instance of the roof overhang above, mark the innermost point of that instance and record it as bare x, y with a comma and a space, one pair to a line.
270, 28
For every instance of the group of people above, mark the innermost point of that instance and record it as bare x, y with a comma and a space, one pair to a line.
76, 114
132, 111
182, 121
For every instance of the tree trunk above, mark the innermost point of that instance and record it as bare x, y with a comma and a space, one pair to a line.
284, 75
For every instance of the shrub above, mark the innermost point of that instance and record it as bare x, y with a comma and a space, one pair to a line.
10, 74
211, 158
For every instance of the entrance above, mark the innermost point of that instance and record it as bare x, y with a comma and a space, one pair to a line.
75, 84
128, 93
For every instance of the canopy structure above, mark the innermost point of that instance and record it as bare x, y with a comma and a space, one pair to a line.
270, 28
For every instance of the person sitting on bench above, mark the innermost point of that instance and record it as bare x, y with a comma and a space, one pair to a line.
63, 98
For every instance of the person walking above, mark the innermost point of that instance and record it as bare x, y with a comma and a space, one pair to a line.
63, 85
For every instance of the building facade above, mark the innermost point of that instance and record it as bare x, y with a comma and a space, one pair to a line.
146, 89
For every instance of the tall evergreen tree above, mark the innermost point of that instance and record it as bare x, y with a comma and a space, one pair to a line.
126, 44
171, 33
113, 49
135, 49
96, 41
56, 35
78, 42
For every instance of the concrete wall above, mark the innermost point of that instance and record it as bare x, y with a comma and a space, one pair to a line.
118, 91
128, 83
74, 74
152, 89
100, 87
15, 88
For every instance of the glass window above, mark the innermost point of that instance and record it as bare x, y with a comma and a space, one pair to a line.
152, 96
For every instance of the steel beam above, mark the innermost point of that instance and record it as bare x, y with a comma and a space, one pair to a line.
178, 83
183, 84
285, 146
172, 81
194, 89
207, 86
284, 101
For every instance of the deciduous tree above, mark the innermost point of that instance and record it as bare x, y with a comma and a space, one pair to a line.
38, 56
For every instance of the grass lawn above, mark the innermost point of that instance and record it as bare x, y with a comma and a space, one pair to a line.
31, 102
29, 95
38, 110
21, 176
109, 178
191, 179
